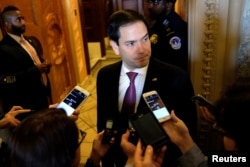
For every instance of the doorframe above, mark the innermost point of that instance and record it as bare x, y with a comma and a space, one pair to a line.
84, 37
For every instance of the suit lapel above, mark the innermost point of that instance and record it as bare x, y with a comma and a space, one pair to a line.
151, 83
10, 42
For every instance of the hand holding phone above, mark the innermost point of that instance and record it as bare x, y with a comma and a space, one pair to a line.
149, 129
72, 101
202, 101
156, 105
108, 132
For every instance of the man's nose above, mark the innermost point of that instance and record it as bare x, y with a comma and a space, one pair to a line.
140, 46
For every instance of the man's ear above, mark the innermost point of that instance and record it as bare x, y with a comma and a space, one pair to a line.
7, 25
114, 46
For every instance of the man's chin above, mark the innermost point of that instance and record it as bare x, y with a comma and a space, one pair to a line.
153, 16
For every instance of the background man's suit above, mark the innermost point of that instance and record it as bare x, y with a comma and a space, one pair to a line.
172, 84
25, 86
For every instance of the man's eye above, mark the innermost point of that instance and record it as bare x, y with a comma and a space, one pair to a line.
145, 39
19, 19
130, 44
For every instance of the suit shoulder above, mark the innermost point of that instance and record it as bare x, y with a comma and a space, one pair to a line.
111, 67
165, 68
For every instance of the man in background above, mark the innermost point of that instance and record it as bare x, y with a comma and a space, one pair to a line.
168, 33
23, 72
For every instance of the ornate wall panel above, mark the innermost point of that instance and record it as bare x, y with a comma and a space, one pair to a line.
209, 48
243, 57
214, 32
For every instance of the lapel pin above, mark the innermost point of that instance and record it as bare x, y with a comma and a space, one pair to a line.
154, 79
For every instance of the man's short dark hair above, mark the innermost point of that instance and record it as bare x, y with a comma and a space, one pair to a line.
173, 1
7, 9
156, 1
121, 18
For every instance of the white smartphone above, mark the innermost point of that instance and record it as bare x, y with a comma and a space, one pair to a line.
75, 97
156, 105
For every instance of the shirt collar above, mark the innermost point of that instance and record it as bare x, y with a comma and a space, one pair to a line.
142, 70
15, 37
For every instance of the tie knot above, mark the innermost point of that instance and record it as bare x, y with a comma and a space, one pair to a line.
132, 76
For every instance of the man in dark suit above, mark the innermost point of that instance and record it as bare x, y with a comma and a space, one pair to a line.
23, 80
129, 38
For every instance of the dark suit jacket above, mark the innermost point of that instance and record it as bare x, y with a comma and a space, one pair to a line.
174, 87
27, 88
165, 50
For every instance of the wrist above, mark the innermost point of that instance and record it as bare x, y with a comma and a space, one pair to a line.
130, 162
95, 157
186, 145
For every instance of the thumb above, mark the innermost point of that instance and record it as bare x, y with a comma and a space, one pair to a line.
149, 153
173, 116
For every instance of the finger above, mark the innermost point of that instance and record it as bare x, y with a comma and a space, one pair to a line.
100, 135
126, 135
74, 117
16, 108
53, 105
112, 141
161, 154
148, 156
173, 116
21, 111
14, 122
124, 138
76, 112
138, 151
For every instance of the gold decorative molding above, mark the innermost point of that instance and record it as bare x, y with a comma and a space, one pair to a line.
209, 48
55, 39
33, 7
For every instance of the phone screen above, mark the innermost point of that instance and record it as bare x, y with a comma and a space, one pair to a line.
153, 134
157, 106
72, 100
109, 124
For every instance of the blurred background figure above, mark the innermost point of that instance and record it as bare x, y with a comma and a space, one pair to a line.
23, 71
168, 33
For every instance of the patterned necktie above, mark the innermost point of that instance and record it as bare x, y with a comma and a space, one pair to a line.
34, 56
129, 101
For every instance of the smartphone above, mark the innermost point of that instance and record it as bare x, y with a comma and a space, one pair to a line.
75, 97
156, 105
108, 132
202, 101
149, 129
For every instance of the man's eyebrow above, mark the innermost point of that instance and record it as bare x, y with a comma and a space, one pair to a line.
146, 35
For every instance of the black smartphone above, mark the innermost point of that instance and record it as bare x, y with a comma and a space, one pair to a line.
149, 129
202, 101
108, 132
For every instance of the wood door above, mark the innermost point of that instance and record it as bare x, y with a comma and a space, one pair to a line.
92, 21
